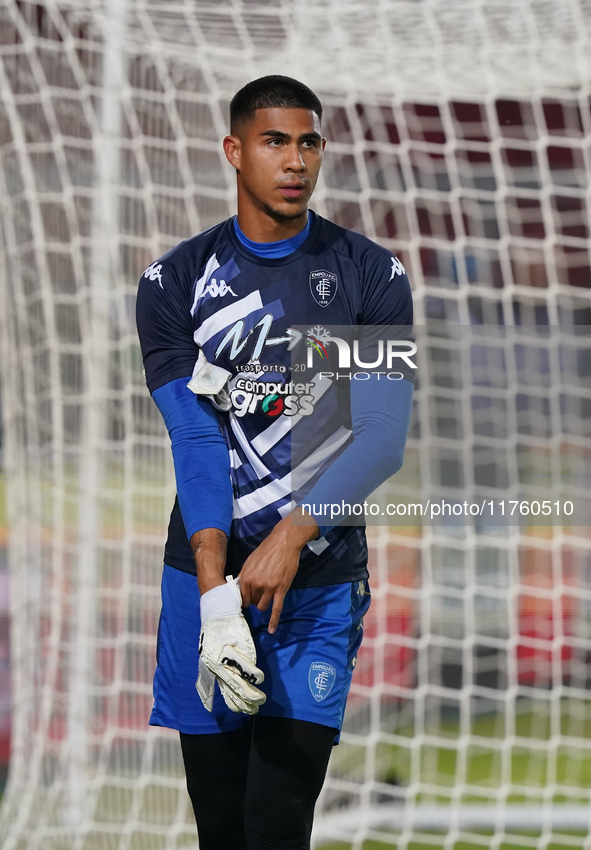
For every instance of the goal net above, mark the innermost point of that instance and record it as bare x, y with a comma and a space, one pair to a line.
459, 137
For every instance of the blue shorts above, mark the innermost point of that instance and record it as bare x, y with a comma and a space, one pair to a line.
308, 663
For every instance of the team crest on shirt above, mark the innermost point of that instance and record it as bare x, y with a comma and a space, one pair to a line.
323, 286
321, 678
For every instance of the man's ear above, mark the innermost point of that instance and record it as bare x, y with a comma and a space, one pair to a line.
233, 150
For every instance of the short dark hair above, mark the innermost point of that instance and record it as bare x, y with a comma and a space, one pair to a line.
272, 92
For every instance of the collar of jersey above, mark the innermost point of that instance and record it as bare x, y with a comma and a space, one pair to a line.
274, 250
277, 261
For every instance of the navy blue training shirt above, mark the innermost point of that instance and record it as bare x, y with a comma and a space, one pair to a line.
211, 293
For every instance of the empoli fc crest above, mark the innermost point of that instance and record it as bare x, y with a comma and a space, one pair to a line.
323, 286
321, 678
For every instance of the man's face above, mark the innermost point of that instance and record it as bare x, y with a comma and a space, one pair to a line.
277, 156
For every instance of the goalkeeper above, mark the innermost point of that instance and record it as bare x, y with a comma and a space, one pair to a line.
255, 657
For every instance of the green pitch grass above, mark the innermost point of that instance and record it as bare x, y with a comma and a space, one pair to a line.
459, 845
532, 764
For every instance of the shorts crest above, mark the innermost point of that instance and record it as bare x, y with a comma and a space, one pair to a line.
321, 678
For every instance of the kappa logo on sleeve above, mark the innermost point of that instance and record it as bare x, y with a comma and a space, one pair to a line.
153, 273
321, 679
323, 286
397, 268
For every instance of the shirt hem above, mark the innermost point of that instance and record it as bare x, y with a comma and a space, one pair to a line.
301, 584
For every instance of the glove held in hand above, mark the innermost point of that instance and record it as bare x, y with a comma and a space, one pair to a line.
227, 652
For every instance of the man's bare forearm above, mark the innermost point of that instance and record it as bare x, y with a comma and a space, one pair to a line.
209, 550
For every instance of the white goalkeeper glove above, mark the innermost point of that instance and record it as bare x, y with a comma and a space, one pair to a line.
227, 653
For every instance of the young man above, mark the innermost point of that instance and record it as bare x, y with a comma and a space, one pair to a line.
216, 318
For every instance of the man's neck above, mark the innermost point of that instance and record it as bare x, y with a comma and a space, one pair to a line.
259, 226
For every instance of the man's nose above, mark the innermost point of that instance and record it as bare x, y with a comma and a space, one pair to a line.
294, 161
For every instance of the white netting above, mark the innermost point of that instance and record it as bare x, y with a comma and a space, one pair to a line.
459, 137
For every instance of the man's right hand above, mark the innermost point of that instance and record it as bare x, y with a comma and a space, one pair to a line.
226, 649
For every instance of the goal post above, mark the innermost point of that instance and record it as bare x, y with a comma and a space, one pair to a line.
459, 137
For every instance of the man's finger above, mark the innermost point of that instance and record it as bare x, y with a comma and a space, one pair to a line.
257, 595
265, 600
251, 595
246, 593
276, 612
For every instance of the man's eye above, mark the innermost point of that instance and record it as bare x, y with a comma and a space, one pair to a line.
275, 142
